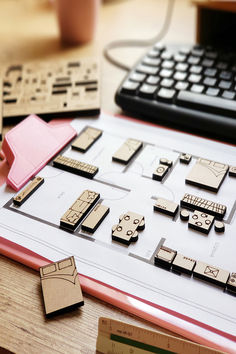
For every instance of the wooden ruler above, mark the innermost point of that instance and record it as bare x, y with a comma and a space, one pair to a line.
115, 337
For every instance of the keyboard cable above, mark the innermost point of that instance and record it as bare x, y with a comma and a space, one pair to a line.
136, 42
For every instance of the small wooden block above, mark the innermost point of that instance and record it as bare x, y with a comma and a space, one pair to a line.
185, 158
60, 286
160, 172
164, 161
166, 207
127, 229
79, 168
231, 283
196, 203
74, 215
95, 218
201, 222
232, 171
86, 139
211, 274
28, 190
164, 257
219, 226
184, 215
207, 174
183, 264
127, 151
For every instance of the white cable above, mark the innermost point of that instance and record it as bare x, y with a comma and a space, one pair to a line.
136, 42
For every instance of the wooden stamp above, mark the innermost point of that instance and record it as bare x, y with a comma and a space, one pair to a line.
127, 229
127, 151
28, 190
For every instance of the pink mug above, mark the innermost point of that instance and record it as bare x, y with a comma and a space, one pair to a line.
77, 19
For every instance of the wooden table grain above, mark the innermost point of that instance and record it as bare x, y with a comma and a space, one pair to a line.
28, 31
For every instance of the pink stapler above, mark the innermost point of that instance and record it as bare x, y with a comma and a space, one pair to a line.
30, 145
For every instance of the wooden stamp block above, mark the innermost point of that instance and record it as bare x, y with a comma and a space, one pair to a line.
160, 172
201, 222
231, 283
164, 161
207, 174
127, 151
86, 139
183, 264
185, 158
28, 190
79, 168
127, 229
164, 257
60, 286
211, 274
166, 207
95, 218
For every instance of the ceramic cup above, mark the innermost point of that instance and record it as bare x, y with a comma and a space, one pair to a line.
77, 20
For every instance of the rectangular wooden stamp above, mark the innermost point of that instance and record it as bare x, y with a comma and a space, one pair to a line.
28, 190
127, 151
86, 139
164, 257
60, 286
211, 274
166, 207
77, 167
80, 208
95, 218
127, 229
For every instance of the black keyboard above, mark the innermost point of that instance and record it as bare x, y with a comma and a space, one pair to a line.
189, 88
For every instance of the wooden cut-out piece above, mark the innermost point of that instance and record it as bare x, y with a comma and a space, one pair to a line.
231, 283
185, 158
219, 226
95, 218
28, 190
196, 203
207, 174
127, 151
26, 84
201, 222
183, 264
211, 274
127, 229
160, 172
80, 208
60, 286
184, 215
86, 139
166, 207
164, 257
164, 161
232, 171
79, 168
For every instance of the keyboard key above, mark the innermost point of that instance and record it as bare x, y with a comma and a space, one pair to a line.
137, 77
222, 65
209, 81
210, 72
229, 95
147, 90
208, 103
159, 46
153, 53
180, 76
225, 75
179, 58
225, 84
165, 73
193, 78
195, 69
151, 61
208, 63
129, 87
211, 54
212, 91
193, 60
166, 55
166, 94
167, 83
184, 50
168, 64
197, 52
181, 67
153, 80
197, 88
145, 69
181, 85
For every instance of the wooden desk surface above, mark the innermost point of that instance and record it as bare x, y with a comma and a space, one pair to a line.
28, 31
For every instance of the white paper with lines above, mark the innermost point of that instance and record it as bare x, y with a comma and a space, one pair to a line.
35, 224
